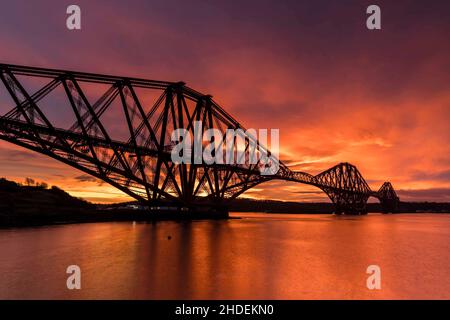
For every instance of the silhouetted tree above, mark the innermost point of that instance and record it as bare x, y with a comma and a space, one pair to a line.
29, 182
42, 185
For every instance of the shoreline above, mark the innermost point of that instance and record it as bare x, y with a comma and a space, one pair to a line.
39, 205
27, 221
38, 220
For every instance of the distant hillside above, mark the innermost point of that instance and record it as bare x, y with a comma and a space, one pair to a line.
18, 202
250, 205
274, 206
18, 197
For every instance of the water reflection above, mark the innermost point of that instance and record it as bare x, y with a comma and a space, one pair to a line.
258, 257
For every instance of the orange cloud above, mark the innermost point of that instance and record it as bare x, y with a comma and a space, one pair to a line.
336, 91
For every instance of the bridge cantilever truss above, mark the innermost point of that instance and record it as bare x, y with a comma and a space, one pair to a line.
118, 129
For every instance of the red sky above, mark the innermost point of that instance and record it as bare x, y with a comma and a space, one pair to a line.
337, 91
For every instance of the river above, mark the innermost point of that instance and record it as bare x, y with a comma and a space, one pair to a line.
260, 256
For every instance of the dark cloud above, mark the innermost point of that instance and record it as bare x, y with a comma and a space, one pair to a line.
430, 176
435, 194
16, 155
309, 192
86, 178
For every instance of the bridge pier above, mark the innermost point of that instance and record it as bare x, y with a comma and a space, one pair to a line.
348, 203
195, 211
350, 209
389, 205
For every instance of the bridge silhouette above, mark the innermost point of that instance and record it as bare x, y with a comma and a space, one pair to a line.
118, 129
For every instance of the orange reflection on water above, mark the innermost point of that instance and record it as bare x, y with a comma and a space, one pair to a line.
261, 256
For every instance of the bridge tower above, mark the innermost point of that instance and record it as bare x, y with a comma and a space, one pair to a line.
388, 198
346, 188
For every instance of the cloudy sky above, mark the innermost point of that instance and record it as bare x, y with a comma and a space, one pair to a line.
337, 91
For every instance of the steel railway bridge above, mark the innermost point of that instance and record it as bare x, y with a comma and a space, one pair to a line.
118, 129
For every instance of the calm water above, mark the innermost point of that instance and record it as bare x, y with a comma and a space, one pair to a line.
260, 256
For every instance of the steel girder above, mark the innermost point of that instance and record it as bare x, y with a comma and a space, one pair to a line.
139, 162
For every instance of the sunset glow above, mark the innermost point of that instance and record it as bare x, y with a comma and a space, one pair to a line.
337, 93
